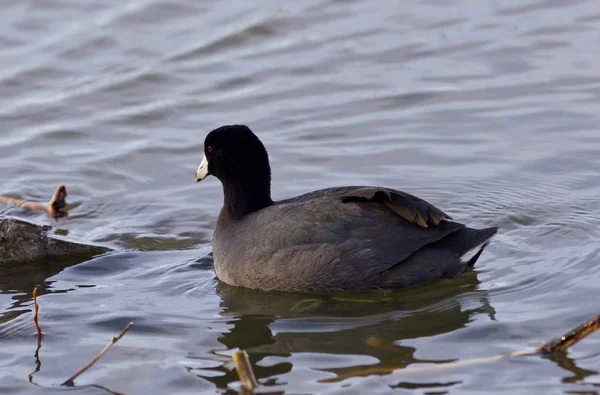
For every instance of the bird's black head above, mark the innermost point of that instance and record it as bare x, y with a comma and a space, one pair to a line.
235, 155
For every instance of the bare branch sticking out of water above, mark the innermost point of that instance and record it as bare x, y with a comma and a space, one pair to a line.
55, 207
38, 363
564, 342
36, 308
244, 370
70, 380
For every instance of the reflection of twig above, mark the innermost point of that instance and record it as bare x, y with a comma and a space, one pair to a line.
561, 343
55, 207
38, 362
108, 390
562, 360
115, 339
244, 369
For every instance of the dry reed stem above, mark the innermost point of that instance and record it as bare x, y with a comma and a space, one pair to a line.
567, 340
38, 363
244, 370
35, 312
69, 381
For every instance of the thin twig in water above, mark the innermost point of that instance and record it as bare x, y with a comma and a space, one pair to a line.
36, 308
56, 207
69, 381
244, 370
38, 363
567, 340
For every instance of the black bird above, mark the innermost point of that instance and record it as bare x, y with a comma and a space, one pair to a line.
354, 237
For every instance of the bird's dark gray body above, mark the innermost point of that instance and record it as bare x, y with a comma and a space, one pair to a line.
354, 237
342, 238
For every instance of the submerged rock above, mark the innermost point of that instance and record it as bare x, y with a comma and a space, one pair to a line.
22, 241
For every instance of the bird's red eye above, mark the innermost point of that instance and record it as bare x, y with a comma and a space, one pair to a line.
209, 149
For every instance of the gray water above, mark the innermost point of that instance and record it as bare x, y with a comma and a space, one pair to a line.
489, 110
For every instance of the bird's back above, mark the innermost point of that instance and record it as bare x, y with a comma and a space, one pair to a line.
320, 241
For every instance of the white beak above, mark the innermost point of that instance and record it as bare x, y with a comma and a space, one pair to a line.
202, 171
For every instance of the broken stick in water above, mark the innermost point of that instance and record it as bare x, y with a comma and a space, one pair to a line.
35, 313
244, 370
69, 381
567, 340
38, 363
56, 207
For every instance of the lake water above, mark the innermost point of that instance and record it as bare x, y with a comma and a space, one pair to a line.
489, 110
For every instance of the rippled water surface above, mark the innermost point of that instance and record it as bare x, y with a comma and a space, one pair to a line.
489, 110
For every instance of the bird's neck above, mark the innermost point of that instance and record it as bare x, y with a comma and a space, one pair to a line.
242, 198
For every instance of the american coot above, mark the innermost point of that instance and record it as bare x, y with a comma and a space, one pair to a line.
353, 237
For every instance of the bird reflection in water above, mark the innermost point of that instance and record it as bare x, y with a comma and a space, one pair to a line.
366, 323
